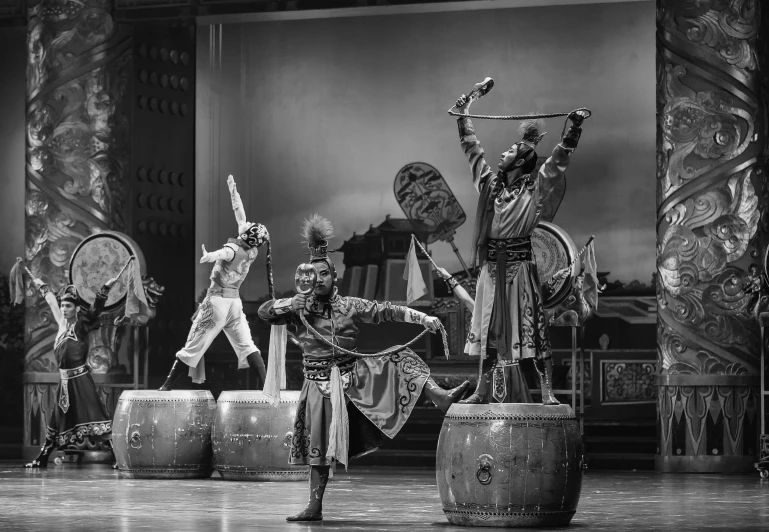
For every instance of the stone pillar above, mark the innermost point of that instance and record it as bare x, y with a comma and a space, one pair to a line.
77, 162
710, 172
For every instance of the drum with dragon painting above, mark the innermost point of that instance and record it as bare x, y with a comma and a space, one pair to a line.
100, 257
554, 251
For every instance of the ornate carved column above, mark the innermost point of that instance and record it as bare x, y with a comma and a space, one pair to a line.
710, 167
77, 161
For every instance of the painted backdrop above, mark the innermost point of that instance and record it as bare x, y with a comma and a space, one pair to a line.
319, 115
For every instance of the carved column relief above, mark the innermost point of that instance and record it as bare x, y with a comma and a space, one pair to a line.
77, 157
710, 157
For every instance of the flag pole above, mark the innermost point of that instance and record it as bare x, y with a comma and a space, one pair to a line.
415, 239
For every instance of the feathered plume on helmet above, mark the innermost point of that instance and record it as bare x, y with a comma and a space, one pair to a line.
317, 231
531, 131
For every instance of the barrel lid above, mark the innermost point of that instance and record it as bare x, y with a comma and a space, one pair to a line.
174, 395
257, 396
510, 411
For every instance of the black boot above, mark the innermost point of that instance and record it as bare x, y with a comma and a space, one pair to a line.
481, 394
314, 510
256, 363
441, 398
176, 370
45, 452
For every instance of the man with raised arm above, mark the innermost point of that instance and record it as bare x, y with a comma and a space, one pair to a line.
509, 325
222, 308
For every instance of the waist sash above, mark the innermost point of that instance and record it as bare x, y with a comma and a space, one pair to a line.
503, 252
66, 375
227, 293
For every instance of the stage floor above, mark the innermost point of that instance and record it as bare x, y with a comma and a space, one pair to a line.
94, 497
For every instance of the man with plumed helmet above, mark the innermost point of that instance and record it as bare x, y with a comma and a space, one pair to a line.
366, 397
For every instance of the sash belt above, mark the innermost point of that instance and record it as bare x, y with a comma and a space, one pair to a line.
66, 375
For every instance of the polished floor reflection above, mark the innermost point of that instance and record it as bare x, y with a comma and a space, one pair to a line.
94, 497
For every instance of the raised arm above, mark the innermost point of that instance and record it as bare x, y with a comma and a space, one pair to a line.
481, 172
46, 292
237, 204
555, 166
89, 320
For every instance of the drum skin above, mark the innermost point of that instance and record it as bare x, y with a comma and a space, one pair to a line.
164, 435
553, 250
100, 257
251, 438
509, 465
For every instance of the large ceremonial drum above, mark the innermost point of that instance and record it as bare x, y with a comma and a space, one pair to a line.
164, 434
251, 438
509, 465
554, 250
97, 259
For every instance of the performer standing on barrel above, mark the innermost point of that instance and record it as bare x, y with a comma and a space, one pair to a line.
509, 325
371, 397
78, 412
222, 308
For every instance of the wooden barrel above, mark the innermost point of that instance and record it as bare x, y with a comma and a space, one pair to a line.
251, 438
164, 434
509, 465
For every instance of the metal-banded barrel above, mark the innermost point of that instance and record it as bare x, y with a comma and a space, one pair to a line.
164, 434
251, 438
509, 465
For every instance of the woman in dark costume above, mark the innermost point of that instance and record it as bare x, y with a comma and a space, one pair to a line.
78, 412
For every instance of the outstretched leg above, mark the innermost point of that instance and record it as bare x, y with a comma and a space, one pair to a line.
314, 510
441, 398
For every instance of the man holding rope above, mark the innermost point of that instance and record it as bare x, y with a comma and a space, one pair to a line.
349, 400
509, 325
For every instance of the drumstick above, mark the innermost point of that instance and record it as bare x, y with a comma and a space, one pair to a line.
124, 267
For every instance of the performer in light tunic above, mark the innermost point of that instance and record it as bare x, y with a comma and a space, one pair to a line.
379, 393
509, 323
222, 308
78, 412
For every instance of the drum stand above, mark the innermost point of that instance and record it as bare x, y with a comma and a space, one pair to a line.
763, 450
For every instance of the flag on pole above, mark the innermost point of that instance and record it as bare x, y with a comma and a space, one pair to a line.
416, 287
590, 286
136, 305
16, 283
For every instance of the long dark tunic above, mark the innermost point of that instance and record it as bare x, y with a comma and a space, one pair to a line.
381, 392
78, 411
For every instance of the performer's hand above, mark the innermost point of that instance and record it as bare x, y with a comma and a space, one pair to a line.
431, 322
230, 182
463, 105
442, 273
577, 117
39, 283
207, 257
298, 302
